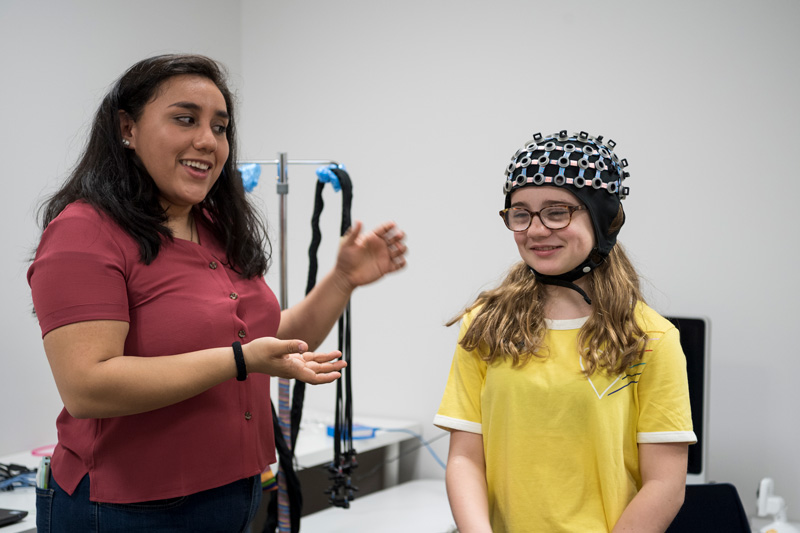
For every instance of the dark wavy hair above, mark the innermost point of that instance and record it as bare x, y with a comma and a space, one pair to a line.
111, 178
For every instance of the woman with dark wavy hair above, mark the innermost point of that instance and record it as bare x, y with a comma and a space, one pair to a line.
567, 400
157, 323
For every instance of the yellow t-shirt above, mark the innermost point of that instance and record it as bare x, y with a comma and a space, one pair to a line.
561, 449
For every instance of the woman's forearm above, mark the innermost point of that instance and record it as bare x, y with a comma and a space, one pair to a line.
312, 318
96, 380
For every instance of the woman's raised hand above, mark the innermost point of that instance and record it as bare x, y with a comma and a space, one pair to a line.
367, 257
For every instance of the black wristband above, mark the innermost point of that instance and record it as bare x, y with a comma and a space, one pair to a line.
238, 356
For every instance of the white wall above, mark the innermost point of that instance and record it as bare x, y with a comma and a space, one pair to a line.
425, 102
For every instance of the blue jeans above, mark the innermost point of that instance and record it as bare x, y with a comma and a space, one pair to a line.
228, 508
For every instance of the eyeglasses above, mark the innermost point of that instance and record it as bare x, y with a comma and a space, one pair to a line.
553, 217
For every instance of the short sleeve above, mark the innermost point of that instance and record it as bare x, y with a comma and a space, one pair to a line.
461, 403
78, 273
664, 411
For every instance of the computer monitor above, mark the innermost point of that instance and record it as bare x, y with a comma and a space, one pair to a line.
695, 337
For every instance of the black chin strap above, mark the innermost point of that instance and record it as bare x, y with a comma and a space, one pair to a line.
567, 278
551, 280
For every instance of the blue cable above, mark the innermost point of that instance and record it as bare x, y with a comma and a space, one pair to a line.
368, 432
27, 479
421, 440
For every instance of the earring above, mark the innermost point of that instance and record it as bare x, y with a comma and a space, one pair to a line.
126, 143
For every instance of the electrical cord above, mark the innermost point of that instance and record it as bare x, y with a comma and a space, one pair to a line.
9, 470
340, 470
423, 443
28, 479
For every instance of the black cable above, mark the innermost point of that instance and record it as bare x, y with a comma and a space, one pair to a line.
285, 453
342, 491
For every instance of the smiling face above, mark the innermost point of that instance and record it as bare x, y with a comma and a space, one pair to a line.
180, 139
552, 252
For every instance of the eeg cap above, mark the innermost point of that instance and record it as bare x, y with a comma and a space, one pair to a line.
586, 166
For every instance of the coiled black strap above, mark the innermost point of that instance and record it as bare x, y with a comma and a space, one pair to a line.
341, 492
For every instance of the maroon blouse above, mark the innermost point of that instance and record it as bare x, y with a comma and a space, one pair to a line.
88, 268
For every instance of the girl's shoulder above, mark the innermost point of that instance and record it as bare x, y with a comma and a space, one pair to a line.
470, 315
650, 320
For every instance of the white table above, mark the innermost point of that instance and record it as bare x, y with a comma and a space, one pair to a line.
21, 499
420, 506
314, 448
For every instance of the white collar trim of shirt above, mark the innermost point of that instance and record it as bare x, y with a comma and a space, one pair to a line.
573, 323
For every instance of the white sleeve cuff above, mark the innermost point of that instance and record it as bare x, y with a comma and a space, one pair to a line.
445, 422
656, 437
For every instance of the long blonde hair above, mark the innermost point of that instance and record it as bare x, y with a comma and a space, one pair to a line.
509, 322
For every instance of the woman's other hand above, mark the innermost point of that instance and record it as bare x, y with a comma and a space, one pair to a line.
290, 359
364, 258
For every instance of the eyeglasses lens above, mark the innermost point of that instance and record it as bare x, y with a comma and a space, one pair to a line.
518, 219
555, 217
